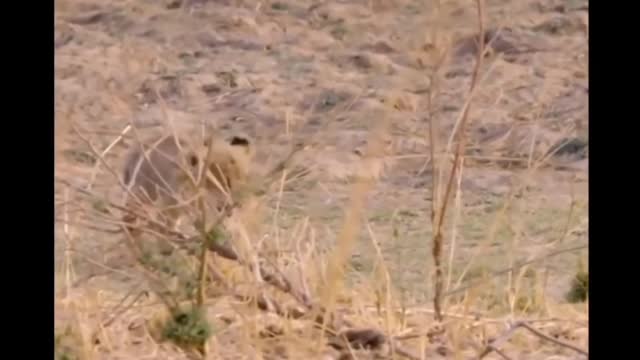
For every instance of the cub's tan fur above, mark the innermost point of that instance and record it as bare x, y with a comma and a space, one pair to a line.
166, 177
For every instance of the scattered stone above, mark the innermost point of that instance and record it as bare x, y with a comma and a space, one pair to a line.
575, 148
88, 19
63, 37
502, 40
379, 47
279, 6
328, 99
560, 25
211, 89
174, 4
168, 87
362, 61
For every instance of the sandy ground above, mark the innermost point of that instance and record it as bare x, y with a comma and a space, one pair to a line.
286, 71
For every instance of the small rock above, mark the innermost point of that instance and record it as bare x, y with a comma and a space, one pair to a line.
496, 39
539, 73
572, 5
88, 19
570, 148
449, 108
580, 74
339, 32
361, 61
560, 25
207, 39
457, 73
173, 4
168, 87
329, 99
379, 47
63, 39
279, 6
228, 78
80, 157
211, 89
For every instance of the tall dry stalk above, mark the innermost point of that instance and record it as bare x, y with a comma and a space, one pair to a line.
351, 224
440, 204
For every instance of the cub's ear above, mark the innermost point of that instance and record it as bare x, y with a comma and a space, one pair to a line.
193, 160
239, 141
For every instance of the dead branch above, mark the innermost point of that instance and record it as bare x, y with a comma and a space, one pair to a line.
499, 352
279, 282
550, 339
495, 343
368, 339
457, 163
514, 268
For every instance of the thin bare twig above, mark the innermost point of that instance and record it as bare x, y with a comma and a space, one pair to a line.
457, 163
279, 282
95, 169
501, 353
495, 343
498, 341
119, 309
153, 222
550, 339
435, 188
515, 267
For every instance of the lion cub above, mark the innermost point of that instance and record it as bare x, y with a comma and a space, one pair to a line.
166, 178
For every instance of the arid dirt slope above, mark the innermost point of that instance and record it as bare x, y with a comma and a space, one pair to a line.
326, 72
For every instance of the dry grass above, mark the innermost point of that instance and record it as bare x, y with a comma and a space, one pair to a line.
375, 148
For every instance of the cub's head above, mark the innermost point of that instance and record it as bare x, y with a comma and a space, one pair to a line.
229, 161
